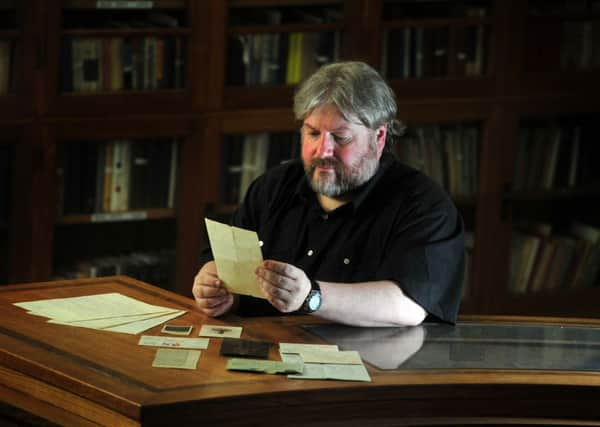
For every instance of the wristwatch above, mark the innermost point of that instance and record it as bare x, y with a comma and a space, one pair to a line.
313, 300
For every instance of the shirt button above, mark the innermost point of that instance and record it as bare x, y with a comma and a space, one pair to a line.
325, 216
346, 261
310, 252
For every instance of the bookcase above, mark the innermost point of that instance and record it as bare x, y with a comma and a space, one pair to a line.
499, 98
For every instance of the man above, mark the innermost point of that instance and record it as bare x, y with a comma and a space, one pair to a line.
349, 233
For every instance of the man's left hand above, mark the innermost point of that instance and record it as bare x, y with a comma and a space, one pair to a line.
285, 285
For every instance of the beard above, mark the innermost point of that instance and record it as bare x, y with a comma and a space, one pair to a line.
344, 178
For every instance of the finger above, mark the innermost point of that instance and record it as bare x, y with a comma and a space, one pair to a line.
209, 280
277, 290
215, 302
209, 292
281, 268
216, 311
280, 304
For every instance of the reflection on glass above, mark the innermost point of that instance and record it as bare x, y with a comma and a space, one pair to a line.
471, 346
386, 348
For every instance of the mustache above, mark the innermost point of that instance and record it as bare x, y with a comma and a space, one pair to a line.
324, 163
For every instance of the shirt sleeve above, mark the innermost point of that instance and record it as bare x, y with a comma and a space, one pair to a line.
425, 256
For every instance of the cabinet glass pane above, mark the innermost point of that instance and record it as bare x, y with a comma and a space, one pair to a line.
117, 175
556, 236
283, 45
435, 39
116, 209
448, 153
563, 36
121, 50
245, 157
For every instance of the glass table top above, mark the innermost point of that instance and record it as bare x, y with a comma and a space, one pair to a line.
469, 345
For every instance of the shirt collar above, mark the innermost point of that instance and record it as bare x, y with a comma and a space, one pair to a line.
304, 191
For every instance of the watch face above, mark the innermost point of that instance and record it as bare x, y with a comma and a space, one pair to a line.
314, 301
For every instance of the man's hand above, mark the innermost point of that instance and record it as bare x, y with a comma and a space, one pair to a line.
285, 286
210, 295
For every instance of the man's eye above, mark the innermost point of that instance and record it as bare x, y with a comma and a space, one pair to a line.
339, 139
314, 134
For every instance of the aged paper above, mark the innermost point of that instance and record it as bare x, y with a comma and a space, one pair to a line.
220, 331
327, 356
290, 347
237, 255
108, 312
88, 307
265, 366
179, 342
320, 371
143, 325
179, 359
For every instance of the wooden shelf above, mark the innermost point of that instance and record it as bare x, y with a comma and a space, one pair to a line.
135, 215
93, 4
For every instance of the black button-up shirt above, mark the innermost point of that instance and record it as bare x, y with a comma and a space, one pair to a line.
401, 226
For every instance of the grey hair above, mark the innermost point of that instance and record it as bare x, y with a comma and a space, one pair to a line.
356, 90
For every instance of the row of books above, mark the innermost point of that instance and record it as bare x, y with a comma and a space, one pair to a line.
543, 261
245, 157
5, 183
447, 153
114, 64
425, 52
6, 65
555, 156
279, 58
275, 58
155, 267
580, 45
117, 175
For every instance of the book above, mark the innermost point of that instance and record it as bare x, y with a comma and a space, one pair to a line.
139, 169
254, 158
561, 263
173, 169
116, 66
108, 173
118, 184
539, 274
585, 266
87, 60
293, 59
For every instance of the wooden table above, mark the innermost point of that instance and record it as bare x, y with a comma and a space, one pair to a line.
77, 376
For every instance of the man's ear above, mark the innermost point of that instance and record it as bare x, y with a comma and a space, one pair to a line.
380, 136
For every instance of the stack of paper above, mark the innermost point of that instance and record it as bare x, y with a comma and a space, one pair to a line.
108, 312
324, 362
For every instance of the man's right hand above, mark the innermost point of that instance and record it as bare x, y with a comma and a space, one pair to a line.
211, 297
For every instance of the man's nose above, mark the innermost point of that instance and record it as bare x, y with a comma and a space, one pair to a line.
326, 146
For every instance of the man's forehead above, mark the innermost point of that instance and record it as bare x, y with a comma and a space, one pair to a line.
329, 116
